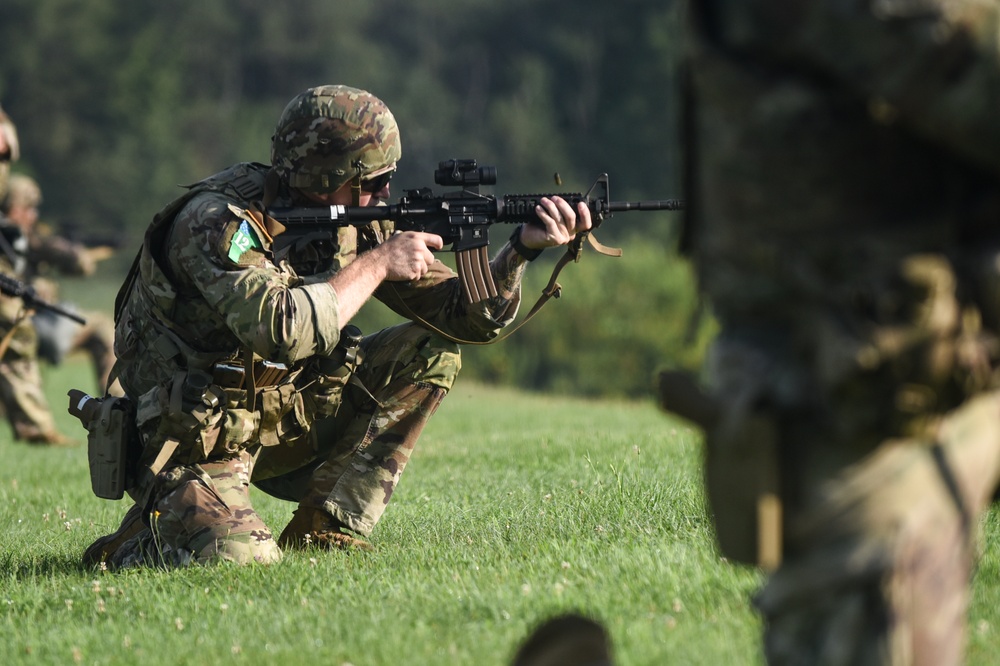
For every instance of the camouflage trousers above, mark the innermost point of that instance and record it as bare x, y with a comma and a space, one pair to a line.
21, 392
348, 466
201, 513
24, 401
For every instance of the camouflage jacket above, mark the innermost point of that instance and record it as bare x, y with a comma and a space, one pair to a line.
208, 288
24, 341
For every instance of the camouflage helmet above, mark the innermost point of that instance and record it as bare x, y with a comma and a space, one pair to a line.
328, 135
22, 192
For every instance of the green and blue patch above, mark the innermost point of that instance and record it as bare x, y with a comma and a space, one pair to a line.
244, 240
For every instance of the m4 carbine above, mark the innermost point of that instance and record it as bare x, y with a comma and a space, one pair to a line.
462, 218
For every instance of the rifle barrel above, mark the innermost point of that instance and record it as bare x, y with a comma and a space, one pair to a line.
661, 204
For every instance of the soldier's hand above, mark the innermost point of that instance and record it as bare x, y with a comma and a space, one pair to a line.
100, 253
558, 223
408, 255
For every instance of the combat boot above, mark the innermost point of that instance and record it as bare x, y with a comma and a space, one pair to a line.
315, 527
106, 546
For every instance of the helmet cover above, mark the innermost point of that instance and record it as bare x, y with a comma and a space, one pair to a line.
328, 135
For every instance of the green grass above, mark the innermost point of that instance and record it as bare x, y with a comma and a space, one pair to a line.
514, 507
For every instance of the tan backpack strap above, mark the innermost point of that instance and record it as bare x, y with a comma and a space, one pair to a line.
5, 342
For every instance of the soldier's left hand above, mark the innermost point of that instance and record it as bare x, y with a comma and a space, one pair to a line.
100, 253
558, 223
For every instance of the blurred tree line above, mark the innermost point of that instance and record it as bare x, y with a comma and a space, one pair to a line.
118, 103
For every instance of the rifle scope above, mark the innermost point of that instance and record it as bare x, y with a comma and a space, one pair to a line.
464, 173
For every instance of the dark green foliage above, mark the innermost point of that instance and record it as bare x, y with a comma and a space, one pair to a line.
119, 103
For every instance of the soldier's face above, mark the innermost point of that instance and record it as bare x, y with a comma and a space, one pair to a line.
23, 216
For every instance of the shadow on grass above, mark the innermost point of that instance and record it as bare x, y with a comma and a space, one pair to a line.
22, 566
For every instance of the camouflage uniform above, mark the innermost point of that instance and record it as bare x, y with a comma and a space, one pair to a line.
21, 394
843, 163
47, 252
59, 336
210, 295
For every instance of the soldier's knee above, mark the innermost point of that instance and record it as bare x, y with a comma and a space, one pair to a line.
442, 363
191, 517
412, 353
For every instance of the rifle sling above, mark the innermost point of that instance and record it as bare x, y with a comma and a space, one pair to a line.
552, 290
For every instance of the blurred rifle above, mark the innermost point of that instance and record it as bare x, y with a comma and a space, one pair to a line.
462, 218
13, 287
73, 232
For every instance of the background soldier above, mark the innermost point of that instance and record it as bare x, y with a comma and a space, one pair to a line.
21, 394
49, 253
843, 203
228, 350
9, 149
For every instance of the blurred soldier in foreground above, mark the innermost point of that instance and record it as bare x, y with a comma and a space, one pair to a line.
844, 198
49, 253
242, 365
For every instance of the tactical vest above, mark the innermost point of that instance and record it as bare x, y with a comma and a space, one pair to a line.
215, 402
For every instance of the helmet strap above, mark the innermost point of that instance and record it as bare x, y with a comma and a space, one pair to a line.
356, 191
356, 183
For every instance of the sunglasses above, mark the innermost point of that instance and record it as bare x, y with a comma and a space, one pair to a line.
376, 184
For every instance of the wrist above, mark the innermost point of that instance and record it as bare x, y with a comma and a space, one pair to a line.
526, 252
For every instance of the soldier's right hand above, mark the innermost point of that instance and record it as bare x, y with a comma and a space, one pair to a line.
408, 255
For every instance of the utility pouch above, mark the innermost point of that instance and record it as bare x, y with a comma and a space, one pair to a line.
188, 410
112, 441
329, 375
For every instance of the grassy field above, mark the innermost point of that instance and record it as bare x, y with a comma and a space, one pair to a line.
515, 507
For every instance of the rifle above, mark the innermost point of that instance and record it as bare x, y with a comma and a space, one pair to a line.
14, 287
462, 218
74, 232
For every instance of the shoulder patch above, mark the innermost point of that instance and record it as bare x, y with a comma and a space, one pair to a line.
244, 240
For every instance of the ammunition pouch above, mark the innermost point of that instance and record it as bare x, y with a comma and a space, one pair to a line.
113, 445
265, 373
327, 376
209, 416
188, 410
